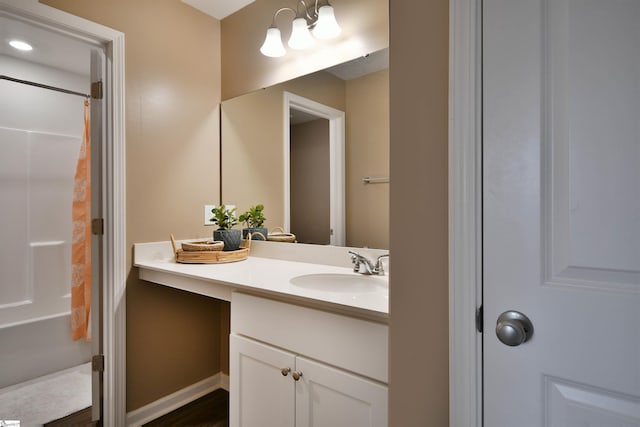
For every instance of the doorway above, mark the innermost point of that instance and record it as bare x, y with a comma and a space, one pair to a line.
42, 142
309, 168
335, 175
113, 243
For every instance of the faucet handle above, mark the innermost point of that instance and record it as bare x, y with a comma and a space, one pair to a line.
361, 264
379, 269
355, 261
356, 257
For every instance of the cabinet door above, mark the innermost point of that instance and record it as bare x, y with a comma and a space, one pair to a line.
329, 397
259, 394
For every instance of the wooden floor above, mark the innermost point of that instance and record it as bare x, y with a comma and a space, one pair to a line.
77, 419
211, 410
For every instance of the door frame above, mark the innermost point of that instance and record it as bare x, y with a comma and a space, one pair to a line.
113, 203
337, 217
465, 212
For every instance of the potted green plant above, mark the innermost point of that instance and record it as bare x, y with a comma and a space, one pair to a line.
253, 219
225, 218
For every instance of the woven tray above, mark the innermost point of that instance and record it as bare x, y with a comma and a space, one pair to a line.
278, 235
211, 257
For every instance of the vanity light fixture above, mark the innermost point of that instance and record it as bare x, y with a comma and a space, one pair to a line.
20, 45
313, 22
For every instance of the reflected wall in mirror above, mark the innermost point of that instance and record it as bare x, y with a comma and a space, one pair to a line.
254, 139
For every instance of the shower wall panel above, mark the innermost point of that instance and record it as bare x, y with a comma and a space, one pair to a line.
37, 195
40, 135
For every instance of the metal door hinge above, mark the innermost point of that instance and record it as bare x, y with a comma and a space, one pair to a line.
97, 226
96, 90
479, 319
97, 363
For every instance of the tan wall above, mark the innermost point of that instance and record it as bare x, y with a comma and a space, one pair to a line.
253, 142
367, 154
365, 29
419, 336
310, 200
172, 76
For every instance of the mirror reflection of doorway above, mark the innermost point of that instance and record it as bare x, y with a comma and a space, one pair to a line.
309, 174
303, 110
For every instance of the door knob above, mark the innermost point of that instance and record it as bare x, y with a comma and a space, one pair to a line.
513, 328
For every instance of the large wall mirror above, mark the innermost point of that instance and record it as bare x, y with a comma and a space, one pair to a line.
315, 152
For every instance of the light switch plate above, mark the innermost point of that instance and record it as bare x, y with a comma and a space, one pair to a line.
208, 215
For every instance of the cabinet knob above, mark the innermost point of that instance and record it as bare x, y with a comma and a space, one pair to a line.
285, 371
296, 375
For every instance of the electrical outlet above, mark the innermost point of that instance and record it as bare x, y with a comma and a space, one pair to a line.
208, 215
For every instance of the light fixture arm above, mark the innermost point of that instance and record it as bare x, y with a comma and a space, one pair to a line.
311, 18
282, 9
306, 12
315, 8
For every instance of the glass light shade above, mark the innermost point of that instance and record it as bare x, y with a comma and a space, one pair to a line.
326, 27
300, 36
272, 45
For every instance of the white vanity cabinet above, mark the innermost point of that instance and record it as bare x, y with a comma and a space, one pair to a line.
261, 394
340, 363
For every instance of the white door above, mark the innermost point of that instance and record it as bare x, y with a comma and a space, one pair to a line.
561, 211
260, 393
330, 397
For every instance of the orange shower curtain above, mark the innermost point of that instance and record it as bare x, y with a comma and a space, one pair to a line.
81, 239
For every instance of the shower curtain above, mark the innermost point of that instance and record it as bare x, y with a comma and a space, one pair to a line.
81, 239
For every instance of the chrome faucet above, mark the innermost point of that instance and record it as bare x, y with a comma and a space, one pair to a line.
363, 265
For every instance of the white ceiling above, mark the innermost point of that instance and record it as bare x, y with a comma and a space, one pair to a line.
375, 61
219, 9
49, 48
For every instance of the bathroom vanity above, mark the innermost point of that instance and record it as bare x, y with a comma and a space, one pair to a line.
308, 338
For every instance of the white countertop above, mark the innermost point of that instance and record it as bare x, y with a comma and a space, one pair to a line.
262, 275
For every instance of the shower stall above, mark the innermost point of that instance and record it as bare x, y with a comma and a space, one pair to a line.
40, 137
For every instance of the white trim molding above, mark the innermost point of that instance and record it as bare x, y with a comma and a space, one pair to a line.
115, 266
465, 213
337, 216
114, 243
175, 400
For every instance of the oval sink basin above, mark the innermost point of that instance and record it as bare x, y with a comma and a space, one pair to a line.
340, 282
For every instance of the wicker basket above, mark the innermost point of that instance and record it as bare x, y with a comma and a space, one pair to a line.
278, 235
207, 245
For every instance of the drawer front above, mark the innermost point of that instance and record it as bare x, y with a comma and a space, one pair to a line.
357, 345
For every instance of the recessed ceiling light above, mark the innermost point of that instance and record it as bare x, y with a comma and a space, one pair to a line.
20, 45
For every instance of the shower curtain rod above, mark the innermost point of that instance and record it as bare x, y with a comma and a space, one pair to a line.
57, 89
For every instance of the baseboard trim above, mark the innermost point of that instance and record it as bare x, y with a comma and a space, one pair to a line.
175, 400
